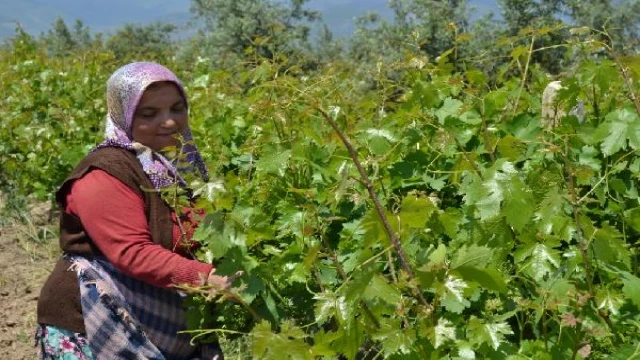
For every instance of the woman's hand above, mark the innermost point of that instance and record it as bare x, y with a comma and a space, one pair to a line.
218, 283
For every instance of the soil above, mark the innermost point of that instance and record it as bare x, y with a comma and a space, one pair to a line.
27, 255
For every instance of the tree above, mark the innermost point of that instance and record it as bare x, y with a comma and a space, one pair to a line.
59, 39
151, 41
436, 24
82, 35
21, 44
328, 48
422, 27
230, 30
62, 40
618, 18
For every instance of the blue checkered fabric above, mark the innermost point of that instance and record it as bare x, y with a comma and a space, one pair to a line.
129, 319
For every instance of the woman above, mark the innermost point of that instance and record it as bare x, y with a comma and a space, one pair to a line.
110, 296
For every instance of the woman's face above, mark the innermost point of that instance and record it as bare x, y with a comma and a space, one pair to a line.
161, 116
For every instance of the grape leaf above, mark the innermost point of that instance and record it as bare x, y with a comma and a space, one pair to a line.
444, 331
472, 256
631, 288
415, 211
626, 352
489, 278
274, 163
537, 260
330, 305
588, 156
450, 107
269, 345
380, 288
453, 297
619, 126
489, 333
609, 247
519, 203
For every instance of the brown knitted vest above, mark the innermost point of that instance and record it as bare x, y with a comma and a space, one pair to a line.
59, 301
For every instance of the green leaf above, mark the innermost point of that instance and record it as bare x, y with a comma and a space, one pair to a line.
349, 340
489, 206
444, 331
626, 352
609, 247
415, 211
380, 141
453, 295
619, 126
208, 189
616, 138
450, 220
631, 288
472, 256
588, 156
358, 284
274, 163
322, 344
380, 288
511, 148
519, 203
490, 333
559, 290
489, 278
551, 215
269, 345
450, 107
471, 117
394, 338
610, 301
632, 217
438, 256
375, 233
487, 195
330, 305
537, 260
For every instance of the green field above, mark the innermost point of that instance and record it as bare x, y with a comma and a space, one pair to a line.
415, 208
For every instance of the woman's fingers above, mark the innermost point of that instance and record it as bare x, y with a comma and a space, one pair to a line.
235, 276
218, 283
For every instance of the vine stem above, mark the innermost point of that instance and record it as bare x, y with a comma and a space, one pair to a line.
221, 294
395, 241
582, 245
524, 75
627, 81
604, 177
625, 72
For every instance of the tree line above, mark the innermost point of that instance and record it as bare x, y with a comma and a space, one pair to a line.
229, 32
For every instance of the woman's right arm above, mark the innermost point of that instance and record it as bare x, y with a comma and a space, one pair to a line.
113, 216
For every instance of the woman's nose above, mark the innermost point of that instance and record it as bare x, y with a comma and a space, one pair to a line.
169, 122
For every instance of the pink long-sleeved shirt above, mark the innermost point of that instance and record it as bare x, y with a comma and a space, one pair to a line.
113, 216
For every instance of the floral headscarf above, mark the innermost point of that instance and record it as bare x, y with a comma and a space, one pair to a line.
124, 90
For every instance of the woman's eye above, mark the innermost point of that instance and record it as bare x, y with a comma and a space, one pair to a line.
148, 114
178, 108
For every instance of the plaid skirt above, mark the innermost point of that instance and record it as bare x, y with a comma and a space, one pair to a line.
127, 319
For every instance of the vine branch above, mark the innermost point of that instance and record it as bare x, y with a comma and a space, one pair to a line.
395, 241
582, 245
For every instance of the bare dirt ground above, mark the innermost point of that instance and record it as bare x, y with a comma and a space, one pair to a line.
27, 255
